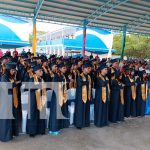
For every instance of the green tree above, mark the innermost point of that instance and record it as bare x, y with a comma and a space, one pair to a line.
136, 45
31, 36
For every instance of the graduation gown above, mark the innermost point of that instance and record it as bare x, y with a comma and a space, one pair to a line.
140, 102
129, 97
21, 72
46, 75
147, 110
82, 108
35, 125
114, 101
111, 71
101, 102
74, 76
56, 124
120, 113
9, 127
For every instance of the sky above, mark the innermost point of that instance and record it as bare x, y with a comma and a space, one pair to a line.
47, 27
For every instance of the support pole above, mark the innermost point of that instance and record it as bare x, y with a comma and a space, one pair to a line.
84, 38
34, 44
123, 41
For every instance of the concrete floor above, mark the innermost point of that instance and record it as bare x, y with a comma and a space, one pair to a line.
133, 134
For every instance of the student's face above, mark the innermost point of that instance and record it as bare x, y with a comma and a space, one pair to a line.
45, 64
79, 63
75, 67
39, 73
63, 69
132, 73
87, 70
116, 65
144, 75
120, 77
38, 61
12, 71
104, 71
90, 69
4, 61
54, 68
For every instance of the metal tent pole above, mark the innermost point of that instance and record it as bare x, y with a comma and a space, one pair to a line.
123, 41
84, 38
34, 45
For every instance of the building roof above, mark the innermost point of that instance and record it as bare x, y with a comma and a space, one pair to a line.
11, 33
108, 14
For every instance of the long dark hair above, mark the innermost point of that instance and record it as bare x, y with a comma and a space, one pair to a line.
7, 72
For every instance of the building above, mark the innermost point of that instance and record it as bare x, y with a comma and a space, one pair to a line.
70, 40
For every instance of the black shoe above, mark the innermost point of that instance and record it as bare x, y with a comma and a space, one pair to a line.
32, 135
79, 128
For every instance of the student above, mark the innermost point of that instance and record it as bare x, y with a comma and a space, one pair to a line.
83, 97
101, 98
9, 127
141, 91
35, 124
147, 110
61, 101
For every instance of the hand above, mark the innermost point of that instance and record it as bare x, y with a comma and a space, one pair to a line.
71, 80
18, 82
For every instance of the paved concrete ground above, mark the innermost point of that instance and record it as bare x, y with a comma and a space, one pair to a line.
133, 134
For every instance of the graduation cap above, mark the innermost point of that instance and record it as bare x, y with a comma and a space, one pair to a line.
44, 59
104, 60
34, 58
126, 68
6, 56
61, 65
68, 63
75, 63
37, 67
11, 65
15, 60
80, 59
52, 56
114, 61
52, 64
28, 61
32, 64
87, 64
103, 66
39, 57
141, 73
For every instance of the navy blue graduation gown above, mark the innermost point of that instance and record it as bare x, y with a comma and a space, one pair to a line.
120, 114
147, 110
140, 103
114, 101
46, 76
35, 125
82, 110
101, 108
129, 107
9, 127
56, 124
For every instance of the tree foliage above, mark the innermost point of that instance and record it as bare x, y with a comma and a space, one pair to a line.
31, 36
136, 45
